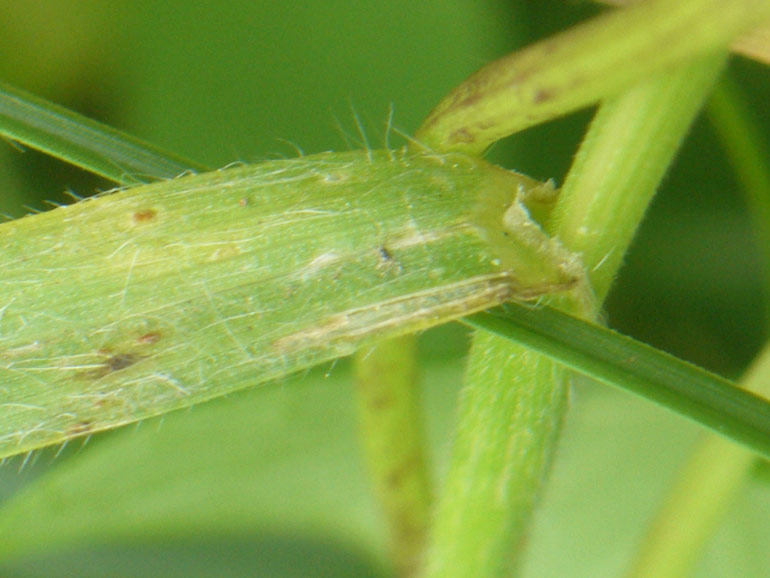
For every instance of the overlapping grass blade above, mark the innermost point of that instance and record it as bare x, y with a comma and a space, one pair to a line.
623, 362
95, 147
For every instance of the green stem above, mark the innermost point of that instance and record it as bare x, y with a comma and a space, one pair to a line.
497, 466
600, 58
622, 159
391, 433
507, 434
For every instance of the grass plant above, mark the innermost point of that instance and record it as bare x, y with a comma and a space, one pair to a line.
191, 285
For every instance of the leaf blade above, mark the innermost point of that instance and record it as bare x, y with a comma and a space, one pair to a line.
158, 297
577, 68
93, 146
623, 362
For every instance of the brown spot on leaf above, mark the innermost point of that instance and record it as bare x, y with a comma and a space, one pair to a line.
462, 135
120, 361
380, 402
542, 95
149, 338
144, 215
400, 472
78, 429
112, 362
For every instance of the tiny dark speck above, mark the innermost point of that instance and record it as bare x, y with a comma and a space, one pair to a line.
385, 254
144, 215
121, 361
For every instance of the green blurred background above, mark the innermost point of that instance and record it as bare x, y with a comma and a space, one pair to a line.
245, 81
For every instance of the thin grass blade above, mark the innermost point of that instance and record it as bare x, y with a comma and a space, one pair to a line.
623, 362
576, 68
86, 143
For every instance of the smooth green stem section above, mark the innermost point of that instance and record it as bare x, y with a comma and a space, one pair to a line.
71, 137
637, 368
624, 156
496, 467
748, 152
392, 439
702, 493
576, 68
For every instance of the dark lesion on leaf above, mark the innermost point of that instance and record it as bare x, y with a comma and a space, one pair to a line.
80, 428
387, 262
144, 215
149, 338
119, 361
112, 362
